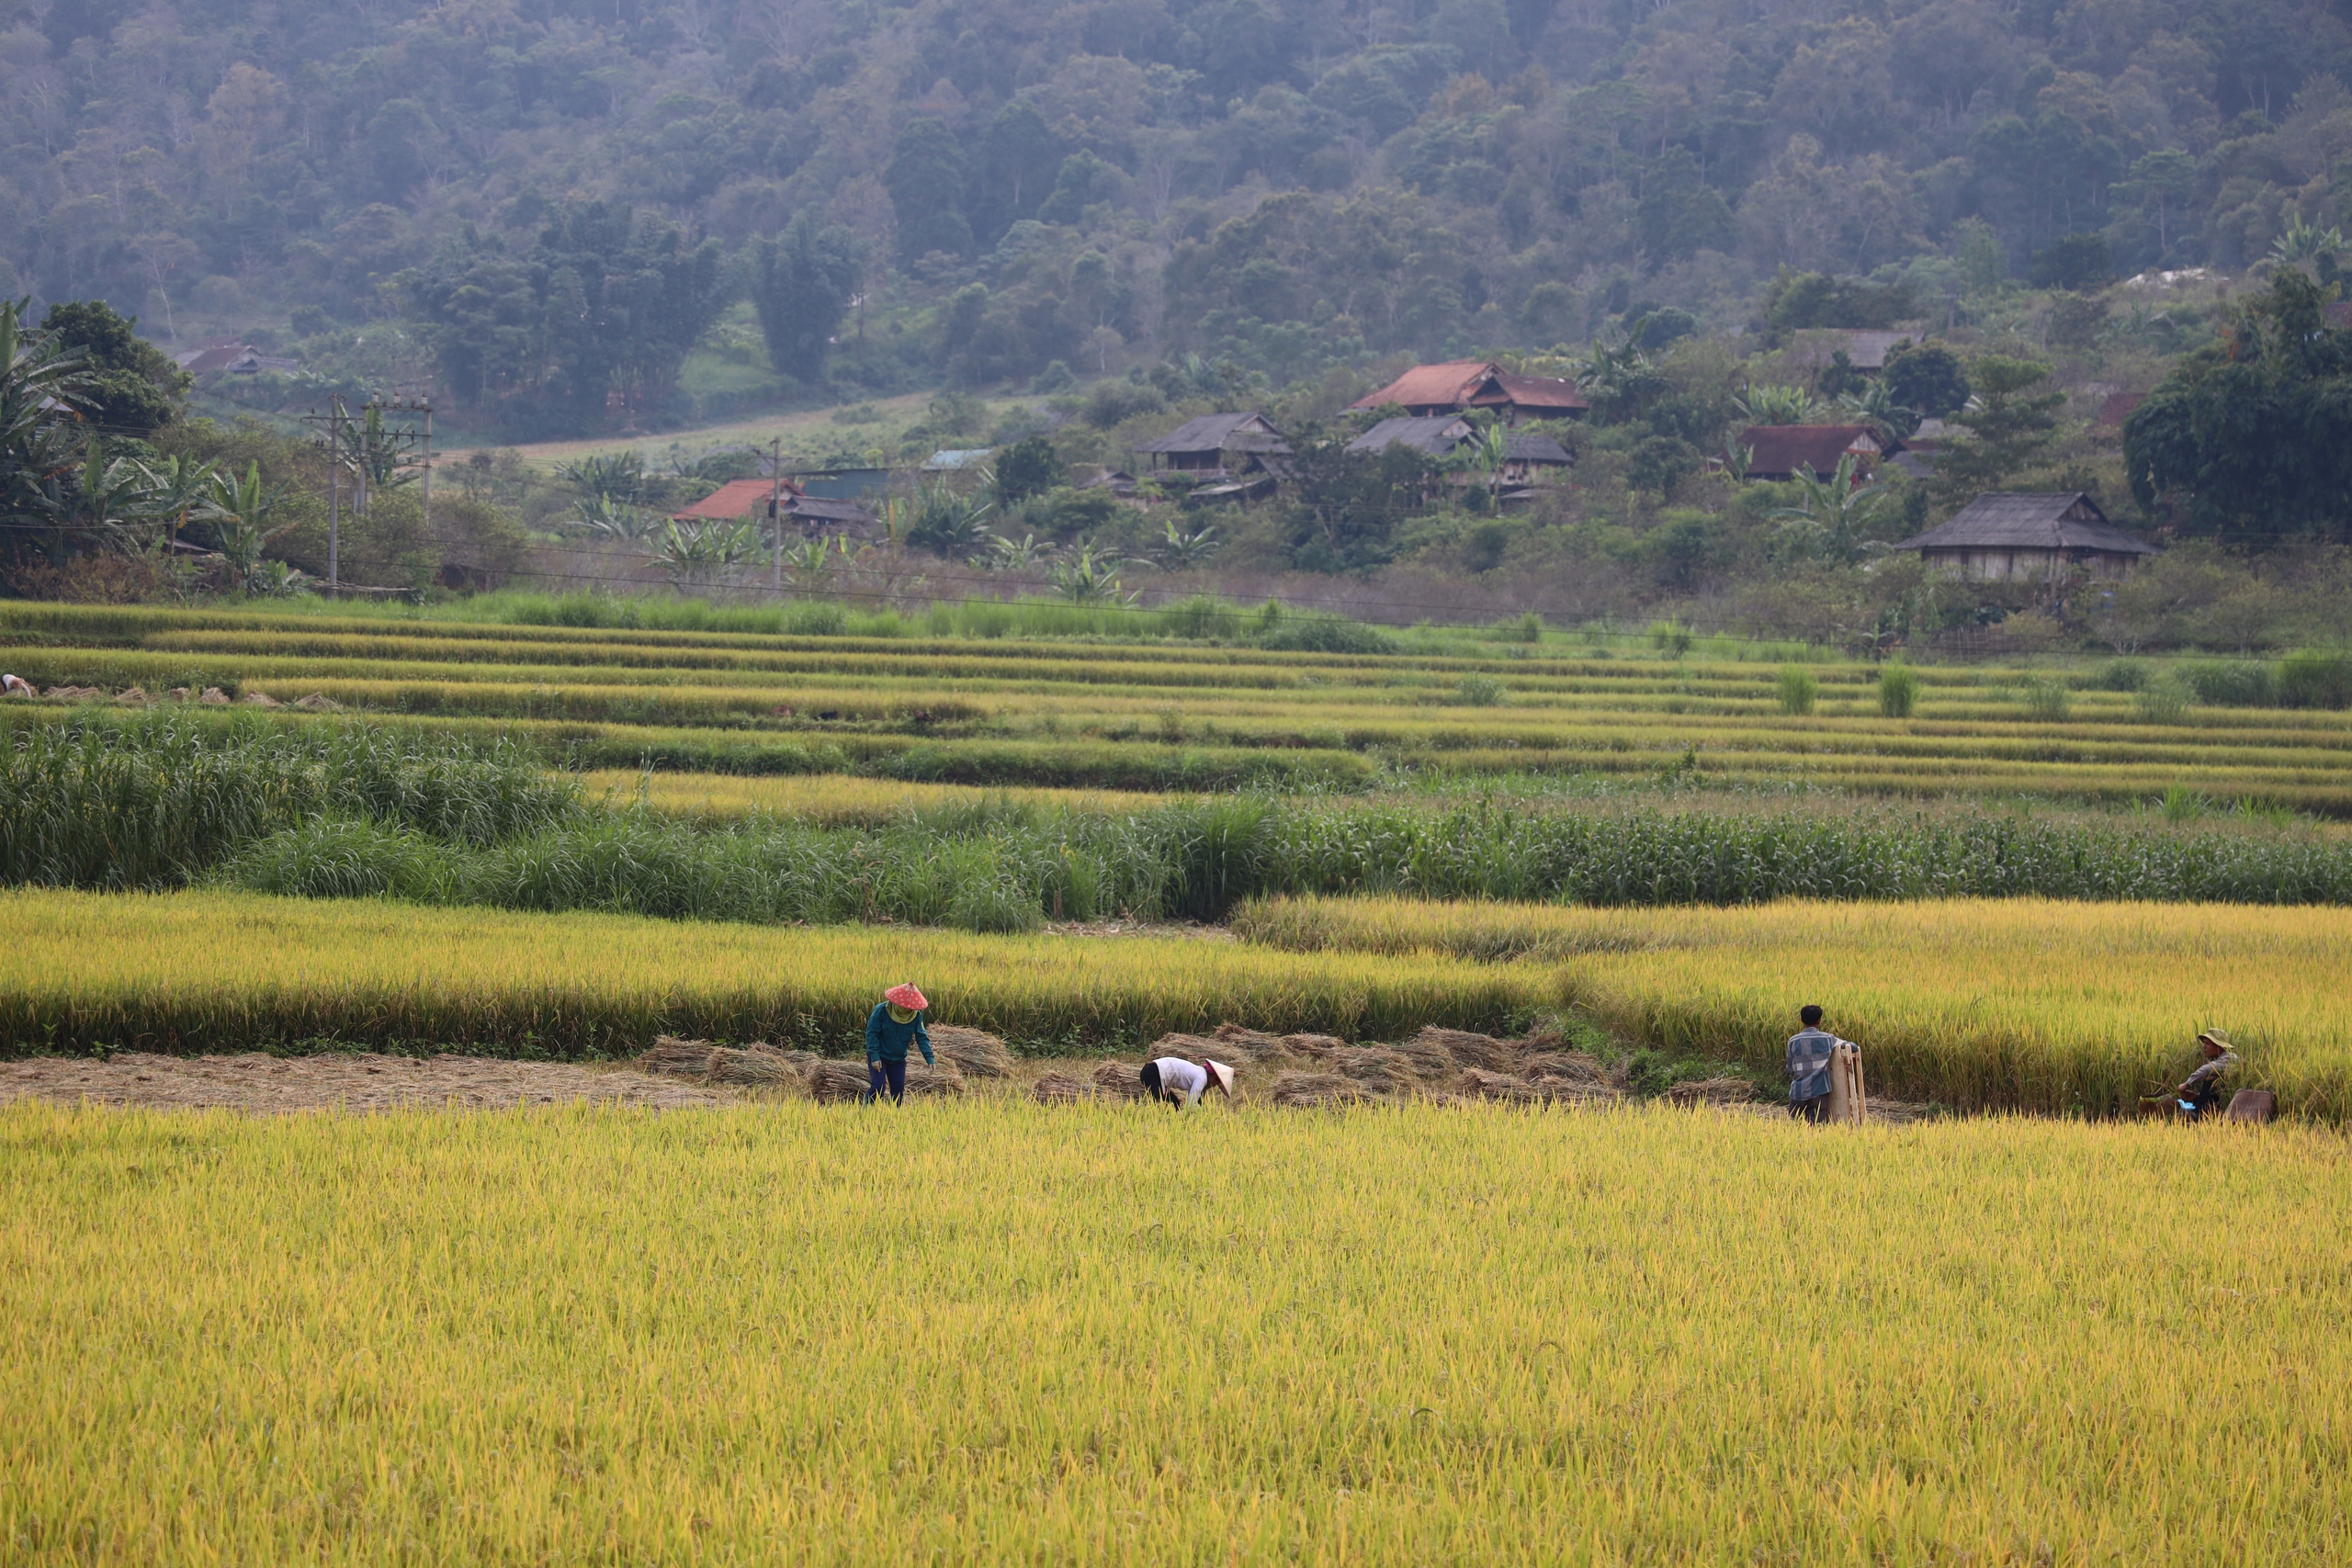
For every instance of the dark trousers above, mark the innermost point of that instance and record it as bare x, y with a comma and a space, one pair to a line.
892, 1072
1150, 1078
1816, 1110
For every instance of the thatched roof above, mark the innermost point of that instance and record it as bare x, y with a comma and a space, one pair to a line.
2059, 521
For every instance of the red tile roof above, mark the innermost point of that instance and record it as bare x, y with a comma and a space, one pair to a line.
736, 499
1432, 386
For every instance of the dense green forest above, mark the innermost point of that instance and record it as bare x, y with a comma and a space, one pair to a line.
547, 202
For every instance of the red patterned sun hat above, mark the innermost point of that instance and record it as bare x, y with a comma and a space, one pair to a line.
907, 996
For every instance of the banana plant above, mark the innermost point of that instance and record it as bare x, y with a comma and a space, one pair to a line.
43, 390
1181, 550
1020, 555
1829, 517
1876, 407
699, 555
809, 566
1771, 404
241, 510
612, 519
1089, 579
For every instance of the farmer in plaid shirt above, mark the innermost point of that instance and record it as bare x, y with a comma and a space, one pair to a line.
1809, 1051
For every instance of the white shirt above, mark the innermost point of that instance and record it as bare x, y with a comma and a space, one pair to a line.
1175, 1073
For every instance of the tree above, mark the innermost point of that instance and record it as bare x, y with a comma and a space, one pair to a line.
240, 511
44, 388
133, 388
2009, 427
1926, 377
1832, 513
1027, 468
2253, 436
2077, 261
1017, 163
925, 179
1349, 502
803, 290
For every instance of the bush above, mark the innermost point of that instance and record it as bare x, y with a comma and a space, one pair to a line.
1325, 635
1799, 690
1671, 637
1898, 691
1109, 402
2242, 684
2315, 680
331, 859
1480, 692
2047, 699
2121, 675
2161, 701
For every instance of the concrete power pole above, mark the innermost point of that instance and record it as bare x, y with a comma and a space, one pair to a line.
775, 510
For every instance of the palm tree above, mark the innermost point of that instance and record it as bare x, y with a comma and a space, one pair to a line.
1830, 517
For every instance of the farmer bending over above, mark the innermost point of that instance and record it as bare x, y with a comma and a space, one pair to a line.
1809, 1051
1179, 1082
896, 1020
2198, 1090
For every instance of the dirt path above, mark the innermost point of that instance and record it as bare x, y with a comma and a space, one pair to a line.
252, 1081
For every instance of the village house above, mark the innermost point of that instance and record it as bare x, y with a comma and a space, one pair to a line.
1529, 457
1865, 348
739, 501
1461, 385
2008, 536
1208, 446
1784, 451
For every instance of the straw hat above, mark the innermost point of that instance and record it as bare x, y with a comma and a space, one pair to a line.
1223, 1073
909, 996
2215, 1037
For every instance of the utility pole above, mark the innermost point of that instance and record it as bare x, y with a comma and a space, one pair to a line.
334, 492
775, 510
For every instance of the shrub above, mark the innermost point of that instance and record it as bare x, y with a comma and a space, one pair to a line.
1898, 691
1799, 690
2315, 680
2046, 698
1671, 637
1480, 692
2119, 675
2241, 684
1325, 635
2161, 701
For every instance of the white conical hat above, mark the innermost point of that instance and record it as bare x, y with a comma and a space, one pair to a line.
1223, 1073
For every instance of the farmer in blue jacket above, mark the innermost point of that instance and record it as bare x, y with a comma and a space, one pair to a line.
896, 1020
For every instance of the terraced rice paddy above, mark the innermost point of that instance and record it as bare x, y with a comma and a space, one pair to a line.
1002, 1332
1048, 712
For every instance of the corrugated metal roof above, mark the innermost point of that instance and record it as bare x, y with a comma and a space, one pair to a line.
1537, 449
1537, 392
1432, 435
2030, 520
958, 457
1217, 433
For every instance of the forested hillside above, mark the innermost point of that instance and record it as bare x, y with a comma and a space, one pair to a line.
557, 198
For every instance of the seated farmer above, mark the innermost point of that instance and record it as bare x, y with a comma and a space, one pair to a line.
896, 1020
1809, 1051
2200, 1088
1177, 1082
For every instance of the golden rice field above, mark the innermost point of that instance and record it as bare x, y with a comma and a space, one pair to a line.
1523, 709
2034, 1003
997, 1333
208, 971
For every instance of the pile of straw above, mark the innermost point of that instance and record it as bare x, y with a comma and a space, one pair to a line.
1377, 1067
835, 1083
1058, 1089
1483, 1051
1712, 1092
672, 1057
759, 1065
976, 1053
1479, 1084
1118, 1080
1315, 1089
